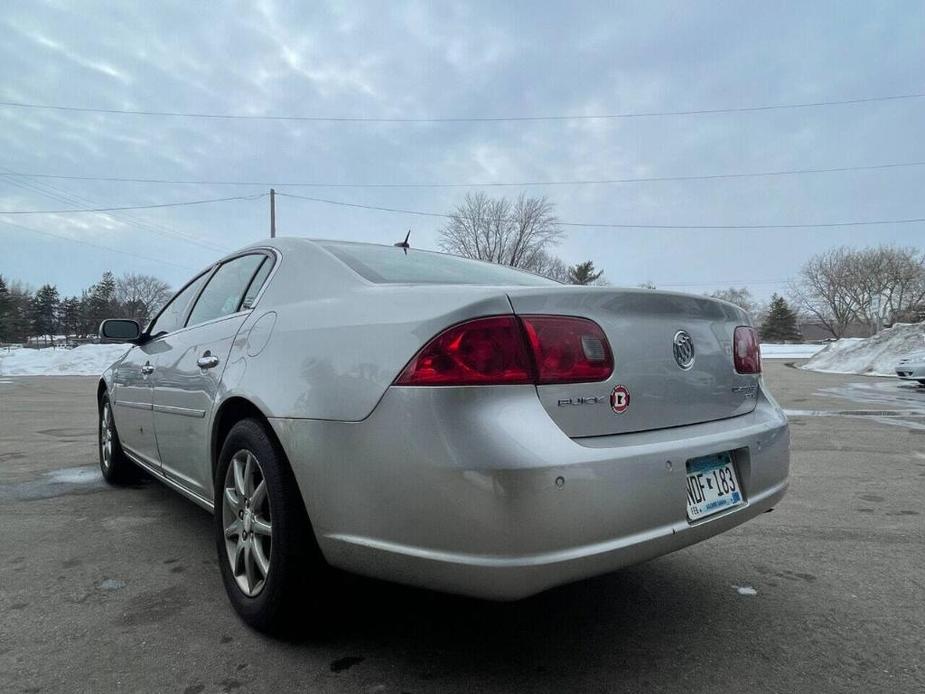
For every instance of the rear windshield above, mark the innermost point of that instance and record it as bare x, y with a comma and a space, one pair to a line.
391, 265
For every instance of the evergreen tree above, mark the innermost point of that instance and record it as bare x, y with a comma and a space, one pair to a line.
44, 312
4, 311
98, 304
70, 316
584, 273
781, 323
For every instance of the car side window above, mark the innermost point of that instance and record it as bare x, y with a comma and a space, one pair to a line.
223, 294
171, 317
256, 284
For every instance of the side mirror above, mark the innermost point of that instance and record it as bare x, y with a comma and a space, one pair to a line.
120, 330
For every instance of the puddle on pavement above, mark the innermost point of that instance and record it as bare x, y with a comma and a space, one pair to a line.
906, 402
71, 480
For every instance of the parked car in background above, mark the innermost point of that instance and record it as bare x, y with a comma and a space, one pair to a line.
912, 367
437, 421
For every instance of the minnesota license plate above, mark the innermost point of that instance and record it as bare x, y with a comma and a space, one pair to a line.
712, 485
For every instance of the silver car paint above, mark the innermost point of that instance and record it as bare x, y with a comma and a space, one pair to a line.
911, 367
453, 488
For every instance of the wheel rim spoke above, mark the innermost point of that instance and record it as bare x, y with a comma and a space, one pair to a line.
233, 530
263, 564
249, 566
239, 484
260, 493
249, 465
232, 499
262, 527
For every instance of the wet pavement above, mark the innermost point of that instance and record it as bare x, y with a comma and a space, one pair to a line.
106, 589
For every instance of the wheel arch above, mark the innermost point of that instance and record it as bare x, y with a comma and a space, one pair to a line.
229, 413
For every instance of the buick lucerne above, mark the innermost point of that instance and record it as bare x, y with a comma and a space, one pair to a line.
437, 421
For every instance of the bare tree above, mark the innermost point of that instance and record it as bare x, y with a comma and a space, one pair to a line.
871, 286
741, 297
502, 231
140, 296
822, 290
550, 266
885, 282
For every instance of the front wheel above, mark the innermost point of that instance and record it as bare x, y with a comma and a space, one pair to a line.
271, 566
114, 464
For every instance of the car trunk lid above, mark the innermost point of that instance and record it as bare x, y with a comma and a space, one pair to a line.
650, 387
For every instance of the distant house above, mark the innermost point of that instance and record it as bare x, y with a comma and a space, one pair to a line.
813, 331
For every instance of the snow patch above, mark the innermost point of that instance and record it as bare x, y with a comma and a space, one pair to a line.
870, 356
86, 360
112, 584
772, 350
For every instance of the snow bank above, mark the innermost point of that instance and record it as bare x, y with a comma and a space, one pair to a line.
86, 360
871, 356
772, 350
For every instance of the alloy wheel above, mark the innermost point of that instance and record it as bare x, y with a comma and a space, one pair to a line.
106, 435
247, 522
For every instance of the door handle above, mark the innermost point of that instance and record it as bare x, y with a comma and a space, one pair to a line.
147, 369
207, 361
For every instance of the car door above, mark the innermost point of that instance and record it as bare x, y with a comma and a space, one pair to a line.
132, 404
189, 369
133, 394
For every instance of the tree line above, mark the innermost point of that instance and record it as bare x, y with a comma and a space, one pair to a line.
25, 313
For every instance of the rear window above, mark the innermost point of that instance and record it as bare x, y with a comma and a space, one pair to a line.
391, 265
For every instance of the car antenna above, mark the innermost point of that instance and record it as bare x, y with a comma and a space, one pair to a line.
404, 244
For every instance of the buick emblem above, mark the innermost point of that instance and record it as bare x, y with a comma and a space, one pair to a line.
683, 347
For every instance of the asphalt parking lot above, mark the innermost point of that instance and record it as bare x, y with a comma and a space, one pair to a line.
106, 589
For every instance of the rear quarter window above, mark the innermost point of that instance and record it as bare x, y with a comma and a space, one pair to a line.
392, 265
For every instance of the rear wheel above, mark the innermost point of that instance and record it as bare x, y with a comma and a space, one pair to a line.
114, 464
270, 564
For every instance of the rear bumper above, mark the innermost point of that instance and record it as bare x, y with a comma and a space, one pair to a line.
475, 491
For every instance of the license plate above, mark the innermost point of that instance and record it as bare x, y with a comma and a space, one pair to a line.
712, 485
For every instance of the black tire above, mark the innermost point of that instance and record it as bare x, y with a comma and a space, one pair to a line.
118, 469
297, 572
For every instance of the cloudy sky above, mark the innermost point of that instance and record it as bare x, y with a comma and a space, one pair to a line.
433, 60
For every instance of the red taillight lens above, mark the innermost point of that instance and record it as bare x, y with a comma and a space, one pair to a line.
485, 351
509, 350
746, 352
568, 350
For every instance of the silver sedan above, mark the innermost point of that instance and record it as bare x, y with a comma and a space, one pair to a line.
438, 421
912, 367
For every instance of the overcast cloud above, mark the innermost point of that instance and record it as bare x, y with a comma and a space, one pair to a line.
430, 59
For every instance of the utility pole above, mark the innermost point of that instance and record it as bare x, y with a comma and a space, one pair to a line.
272, 213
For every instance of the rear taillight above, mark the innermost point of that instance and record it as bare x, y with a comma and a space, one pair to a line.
509, 350
568, 350
746, 352
486, 351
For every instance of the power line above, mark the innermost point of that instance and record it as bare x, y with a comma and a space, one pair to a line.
574, 182
94, 245
61, 195
461, 119
607, 225
365, 207
138, 207
627, 226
